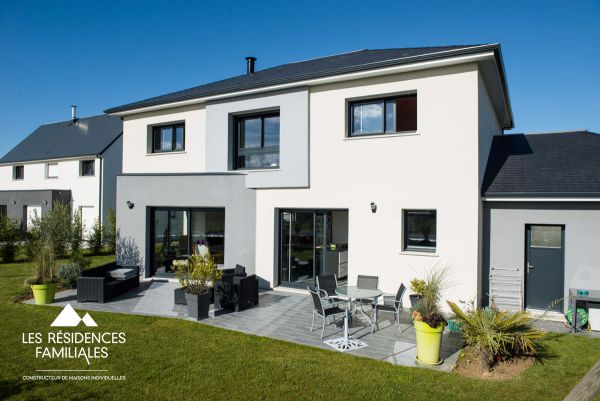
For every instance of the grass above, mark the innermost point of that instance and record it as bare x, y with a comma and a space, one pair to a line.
170, 359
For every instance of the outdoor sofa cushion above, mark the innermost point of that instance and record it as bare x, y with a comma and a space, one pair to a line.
122, 273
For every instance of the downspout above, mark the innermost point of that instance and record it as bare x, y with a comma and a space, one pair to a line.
100, 189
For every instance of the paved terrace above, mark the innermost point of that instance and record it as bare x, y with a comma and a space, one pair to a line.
281, 315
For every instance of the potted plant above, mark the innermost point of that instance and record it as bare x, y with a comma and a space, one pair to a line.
416, 286
197, 278
428, 320
43, 284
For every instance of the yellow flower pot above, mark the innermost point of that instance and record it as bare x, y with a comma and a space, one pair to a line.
429, 343
43, 293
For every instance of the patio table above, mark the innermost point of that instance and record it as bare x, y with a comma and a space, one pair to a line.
592, 296
349, 292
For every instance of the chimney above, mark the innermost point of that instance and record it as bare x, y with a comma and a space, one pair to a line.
250, 65
74, 113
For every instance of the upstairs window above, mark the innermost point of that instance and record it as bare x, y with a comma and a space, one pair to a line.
383, 116
420, 230
87, 168
168, 138
18, 172
51, 170
257, 141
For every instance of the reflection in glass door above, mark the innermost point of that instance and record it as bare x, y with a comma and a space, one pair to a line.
297, 256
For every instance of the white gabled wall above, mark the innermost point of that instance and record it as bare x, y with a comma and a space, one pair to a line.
435, 169
84, 190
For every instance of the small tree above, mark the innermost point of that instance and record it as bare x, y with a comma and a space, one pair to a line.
76, 233
110, 231
42, 245
56, 224
94, 239
9, 238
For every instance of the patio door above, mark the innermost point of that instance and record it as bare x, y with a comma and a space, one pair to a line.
544, 266
304, 238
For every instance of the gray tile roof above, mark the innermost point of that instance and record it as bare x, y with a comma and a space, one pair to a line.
316, 68
85, 137
549, 164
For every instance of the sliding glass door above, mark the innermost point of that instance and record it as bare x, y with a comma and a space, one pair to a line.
307, 243
176, 233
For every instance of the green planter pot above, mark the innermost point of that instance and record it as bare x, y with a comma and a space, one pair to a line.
43, 293
429, 343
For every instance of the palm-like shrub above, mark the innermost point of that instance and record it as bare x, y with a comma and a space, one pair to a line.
498, 334
199, 274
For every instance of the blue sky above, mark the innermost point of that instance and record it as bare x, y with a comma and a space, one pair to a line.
99, 54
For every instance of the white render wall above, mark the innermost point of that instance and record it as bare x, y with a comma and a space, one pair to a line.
84, 190
435, 168
137, 159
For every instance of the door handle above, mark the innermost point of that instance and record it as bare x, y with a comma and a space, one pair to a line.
529, 267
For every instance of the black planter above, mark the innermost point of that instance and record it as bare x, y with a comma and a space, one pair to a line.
198, 305
414, 298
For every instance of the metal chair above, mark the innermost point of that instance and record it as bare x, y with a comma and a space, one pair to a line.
320, 310
392, 303
369, 283
328, 283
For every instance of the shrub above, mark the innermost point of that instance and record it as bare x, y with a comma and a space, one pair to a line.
9, 238
94, 239
44, 261
78, 258
68, 273
110, 231
76, 233
428, 308
56, 224
498, 334
198, 274
417, 286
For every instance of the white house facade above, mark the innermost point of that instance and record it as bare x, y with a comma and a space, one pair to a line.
74, 162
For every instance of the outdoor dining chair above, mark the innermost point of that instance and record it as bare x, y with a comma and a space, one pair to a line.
320, 310
369, 283
392, 303
328, 283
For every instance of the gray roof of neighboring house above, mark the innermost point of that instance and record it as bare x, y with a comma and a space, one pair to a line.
549, 164
316, 68
85, 137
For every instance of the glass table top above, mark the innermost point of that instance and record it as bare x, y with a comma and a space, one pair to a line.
352, 291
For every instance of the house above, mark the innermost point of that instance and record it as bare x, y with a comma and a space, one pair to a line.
74, 162
369, 162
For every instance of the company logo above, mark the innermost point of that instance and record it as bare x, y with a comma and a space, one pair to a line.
69, 318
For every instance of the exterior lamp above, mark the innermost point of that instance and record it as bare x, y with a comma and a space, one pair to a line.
130, 204
373, 207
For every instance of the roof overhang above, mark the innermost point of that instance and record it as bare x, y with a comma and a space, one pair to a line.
487, 56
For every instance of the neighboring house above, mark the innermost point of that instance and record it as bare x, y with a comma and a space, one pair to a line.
74, 162
369, 162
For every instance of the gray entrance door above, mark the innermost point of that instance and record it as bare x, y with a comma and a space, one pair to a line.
544, 267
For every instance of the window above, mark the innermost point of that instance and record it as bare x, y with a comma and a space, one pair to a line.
51, 170
257, 141
168, 138
87, 168
18, 172
3, 211
383, 116
420, 230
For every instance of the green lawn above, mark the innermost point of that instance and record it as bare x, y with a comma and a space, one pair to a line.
167, 359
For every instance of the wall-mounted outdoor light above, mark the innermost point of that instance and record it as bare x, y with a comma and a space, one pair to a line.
130, 204
14, 202
373, 207
45, 202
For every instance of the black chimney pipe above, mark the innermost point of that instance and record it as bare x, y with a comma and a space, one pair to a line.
250, 64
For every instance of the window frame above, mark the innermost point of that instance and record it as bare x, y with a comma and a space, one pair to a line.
405, 234
372, 100
48, 176
81, 162
22, 167
237, 119
173, 126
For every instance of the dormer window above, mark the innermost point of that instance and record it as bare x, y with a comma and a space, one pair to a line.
168, 138
383, 116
